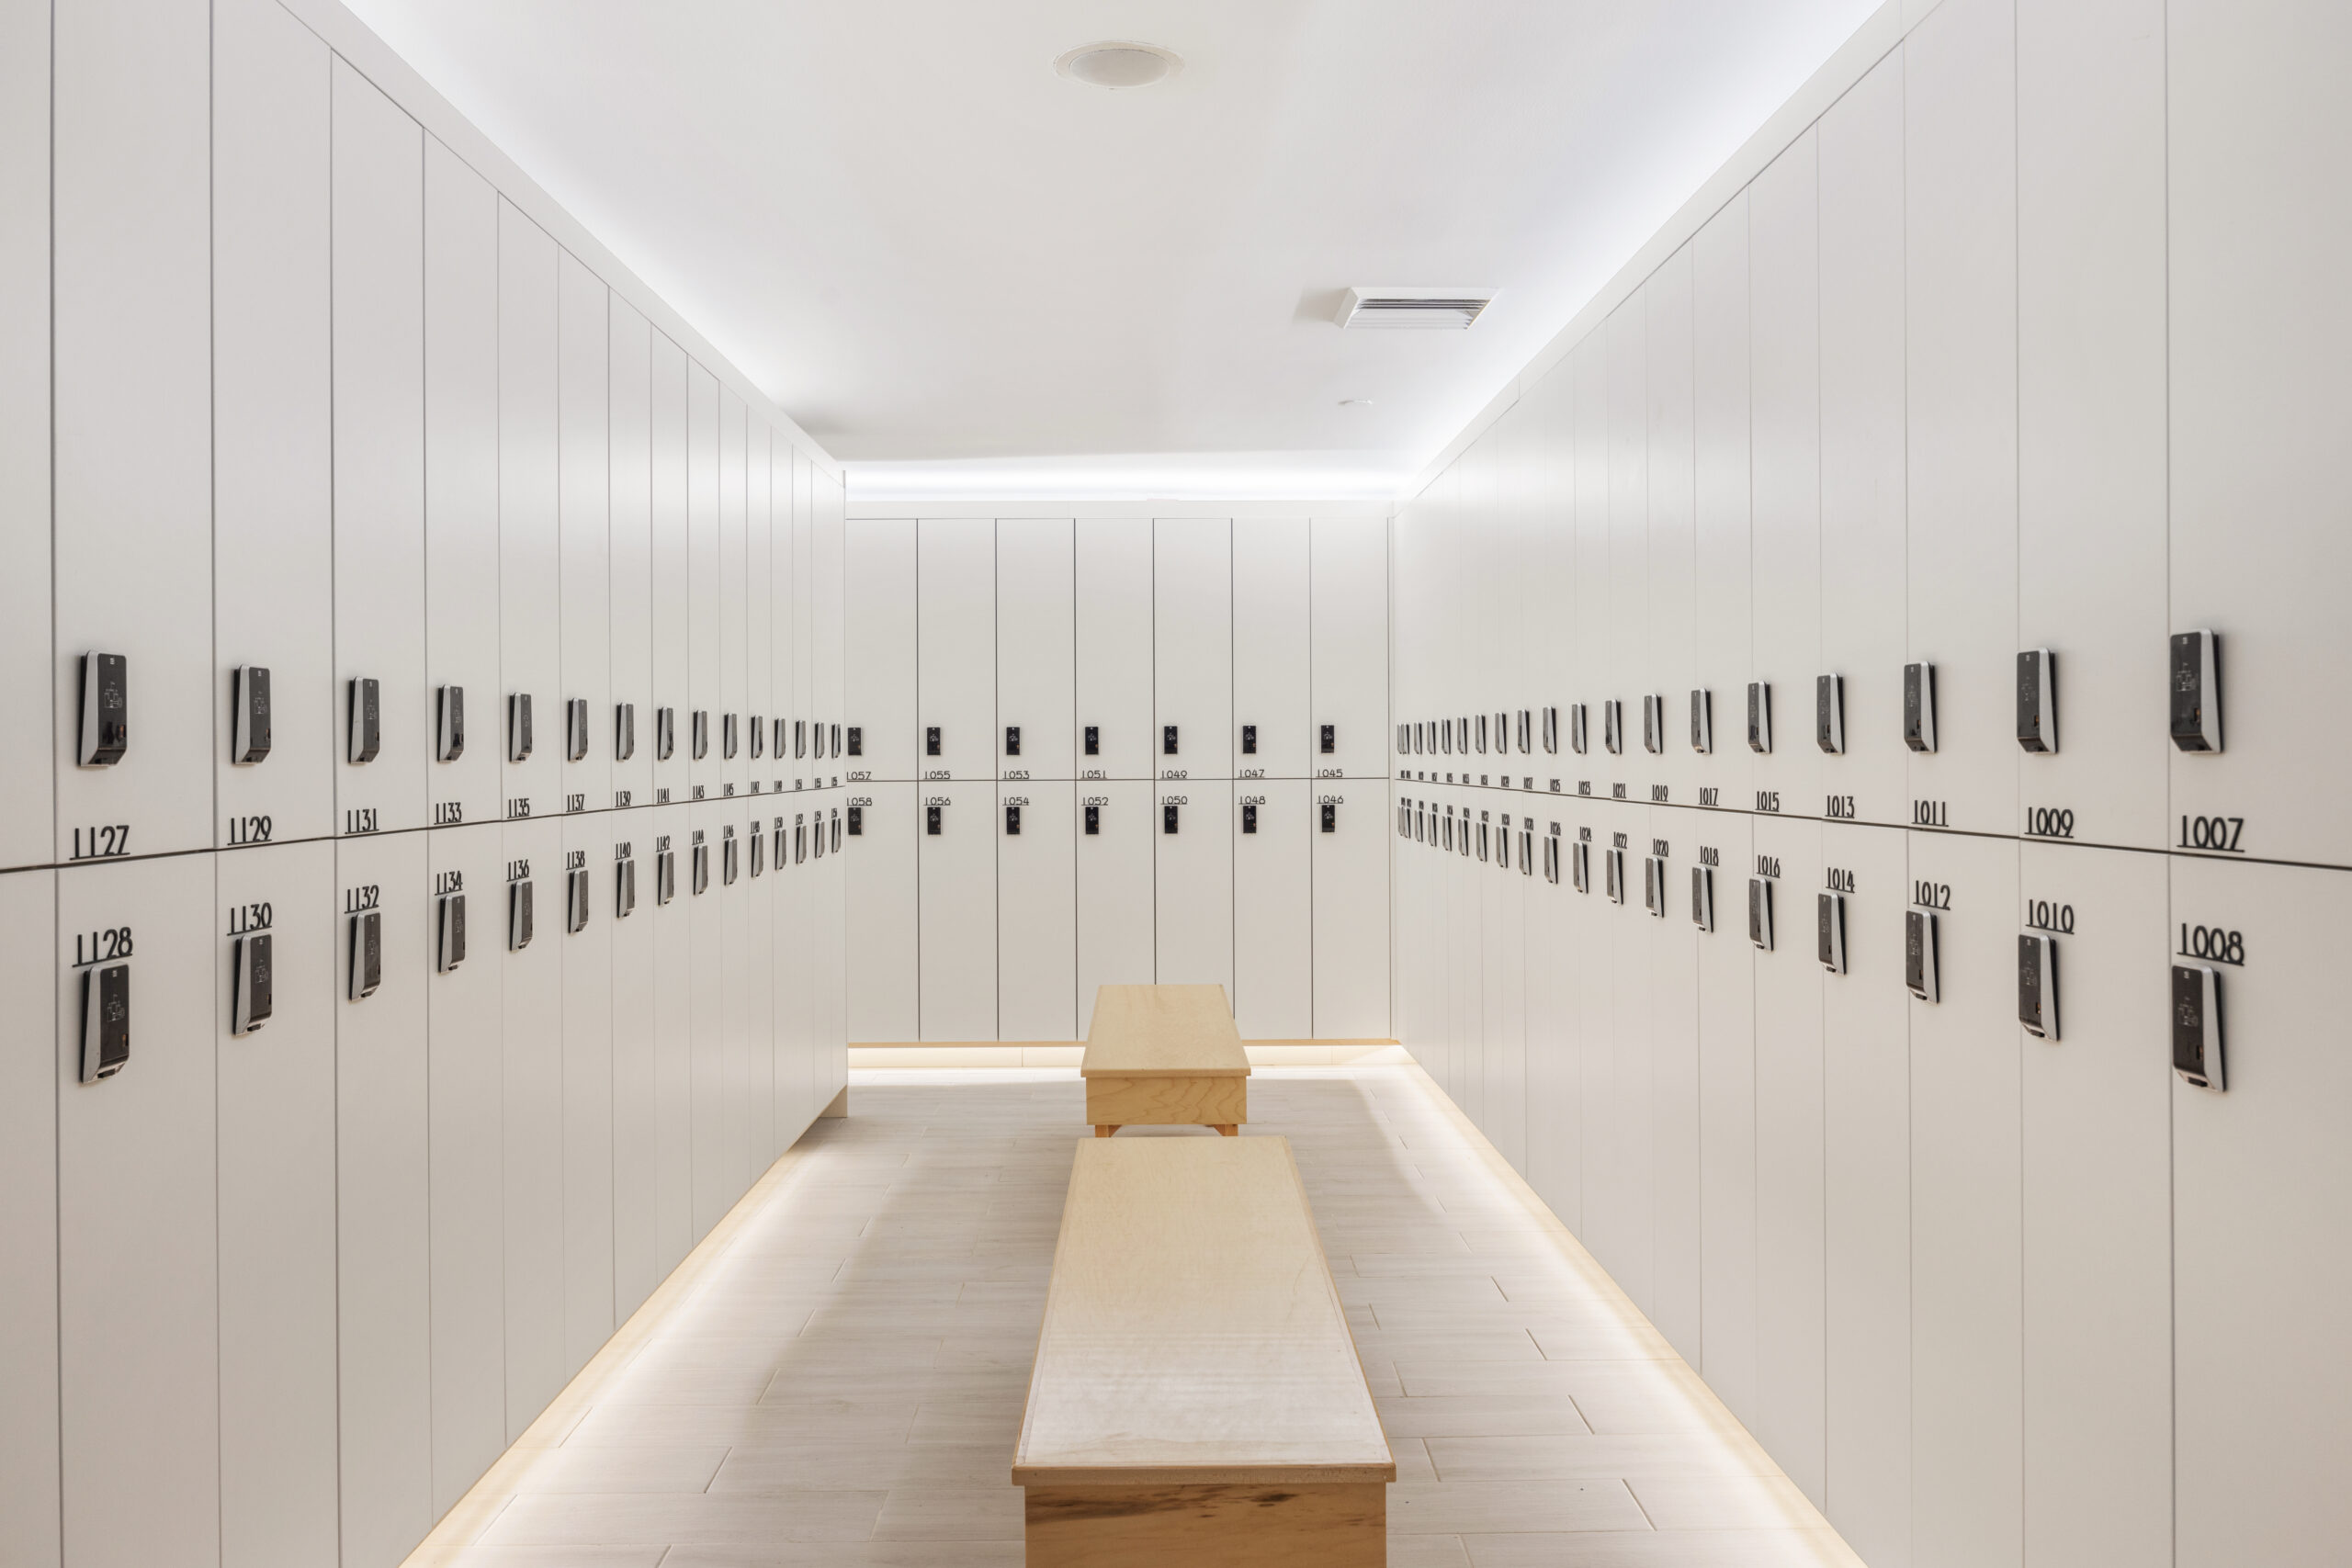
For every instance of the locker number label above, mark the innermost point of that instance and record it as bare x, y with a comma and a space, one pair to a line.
244, 918
2212, 833
101, 947
2049, 822
1931, 895
249, 829
2210, 942
358, 901
2042, 915
96, 844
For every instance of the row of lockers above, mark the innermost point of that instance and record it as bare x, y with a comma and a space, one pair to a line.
1117, 648
406, 465
993, 912
390, 1133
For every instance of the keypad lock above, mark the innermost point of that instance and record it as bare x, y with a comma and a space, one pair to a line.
1094, 740
1248, 816
2196, 1025
449, 725
1330, 815
250, 990
105, 1020
1168, 740
856, 827
366, 970
665, 733
931, 819
575, 729
1168, 817
856, 742
364, 733
1093, 820
518, 726
449, 931
930, 741
1329, 742
106, 727
624, 731
518, 915
1249, 739
249, 740
699, 735
1012, 821
1013, 741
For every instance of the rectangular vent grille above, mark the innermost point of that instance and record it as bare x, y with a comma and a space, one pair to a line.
1446, 309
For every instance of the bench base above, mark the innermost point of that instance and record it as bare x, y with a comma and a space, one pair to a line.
1168, 1102
1263, 1524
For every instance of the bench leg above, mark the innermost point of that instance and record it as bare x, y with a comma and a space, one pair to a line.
1101, 1131
1227, 1129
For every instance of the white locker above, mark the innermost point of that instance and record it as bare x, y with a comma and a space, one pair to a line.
631, 628
461, 619
378, 456
1625, 664
1623, 1087
1274, 905
1192, 883
1116, 907
1669, 660
1348, 646
673, 1226
529, 534
278, 1197
706, 653
1464, 1030
273, 541
1502, 950
1192, 641
804, 683
1727, 998
717, 1161
1862, 477
1866, 1182
1721, 655
2261, 1267
788, 949
1349, 924
734, 624
1966, 1164
636, 1026
531, 1052
956, 910
1555, 1102
132, 519
736, 1133
789, 468
1271, 638
1035, 643
1589, 687
1115, 658
956, 648
25, 647
584, 513
29, 1087
464, 1013
138, 1258
881, 632
586, 1074
825, 606
884, 988
1960, 179
759, 622
2098, 1191
2091, 408
672, 683
754, 987
385, 1242
1036, 909
1675, 1247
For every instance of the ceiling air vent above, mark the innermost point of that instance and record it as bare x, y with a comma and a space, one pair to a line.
1445, 308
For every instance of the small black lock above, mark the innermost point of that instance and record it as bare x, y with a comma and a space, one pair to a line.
1248, 816
1330, 815
1013, 741
1093, 739
1167, 816
931, 822
856, 824
1094, 820
1012, 820
1249, 739
1331, 737
930, 741
1167, 739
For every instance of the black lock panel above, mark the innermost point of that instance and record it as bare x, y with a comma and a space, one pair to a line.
1093, 819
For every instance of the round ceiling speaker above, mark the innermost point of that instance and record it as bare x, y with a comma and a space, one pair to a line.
1119, 64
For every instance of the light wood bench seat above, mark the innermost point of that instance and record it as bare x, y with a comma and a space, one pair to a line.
1164, 1056
1196, 1397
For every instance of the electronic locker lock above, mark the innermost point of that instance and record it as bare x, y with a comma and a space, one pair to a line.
1330, 815
1527, 846
1445, 737
1404, 739
575, 729
518, 726
2038, 701
2196, 1025
1482, 733
624, 887
449, 932
249, 727
1168, 817
727, 738
1249, 739
1249, 816
836, 830
624, 731
1579, 730
1168, 740
2197, 699
931, 819
105, 720
856, 742
1829, 713
1094, 747
665, 733
759, 848
698, 735
1832, 932
1702, 898
665, 876
1581, 866
1612, 727
1526, 732
856, 827
1012, 821
1615, 868
835, 731
449, 724
1760, 715
800, 738
2038, 985
367, 959
729, 855
1551, 856
1702, 720
1502, 733
250, 999
1653, 885
364, 724
1654, 724
698, 867
759, 729
1093, 819
1759, 912
105, 1020
930, 741
1920, 943
1552, 730
781, 746
575, 901
1013, 741
1919, 709
518, 915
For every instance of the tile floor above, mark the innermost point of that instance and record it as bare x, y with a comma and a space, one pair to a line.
841, 1381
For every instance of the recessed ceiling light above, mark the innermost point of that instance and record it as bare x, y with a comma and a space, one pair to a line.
1355, 402
1119, 64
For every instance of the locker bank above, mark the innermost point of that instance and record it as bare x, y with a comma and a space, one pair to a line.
1698, 646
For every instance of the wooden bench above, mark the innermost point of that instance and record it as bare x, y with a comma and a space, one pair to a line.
1197, 1397
1164, 1056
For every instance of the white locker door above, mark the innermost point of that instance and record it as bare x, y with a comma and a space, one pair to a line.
1553, 1105
1966, 1164
1674, 1075
379, 454
584, 497
1670, 657
736, 1132
1347, 616
1720, 405
956, 911
825, 608
130, 297
804, 683
734, 627
530, 539
1626, 1239
716, 1164
2097, 1214
1116, 909
1866, 1184
636, 1257
29, 1085
673, 1228
273, 537
1502, 1037
880, 629
1726, 996
789, 465
1465, 970
1274, 909
705, 653
759, 580
383, 1204
532, 1055
587, 1071
1192, 643
883, 991
1035, 642
2259, 1175
1350, 909
1192, 883
1270, 710
278, 1497
631, 628
138, 1258
460, 484
673, 673
1036, 917
756, 985
1115, 656
788, 950
956, 648
464, 1016
27, 774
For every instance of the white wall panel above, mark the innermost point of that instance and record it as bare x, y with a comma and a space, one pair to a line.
28, 1088
273, 541
25, 649
1348, 653
1349, 913
531, 1054
673, 1228
1676, 1289
584, 518
1270, 649
1115, 655
672, 671
879, 587
1036, 909
1502, 955
1672, 588
1117, 943
1722, 650
530, 625
1192, 883
630, 669
1727, 998
589, 1044
1036, 565
705, 653
955, 648
884, 983
717, 1161
734, 625
1274, 900
1555, 1102
1191, 630
759, 621
955, 909
278, 1197
636, 1093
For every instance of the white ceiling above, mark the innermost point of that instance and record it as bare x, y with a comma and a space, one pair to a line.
965, 275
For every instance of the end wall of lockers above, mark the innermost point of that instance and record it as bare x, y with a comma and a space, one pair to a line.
2033, 340
340, 397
